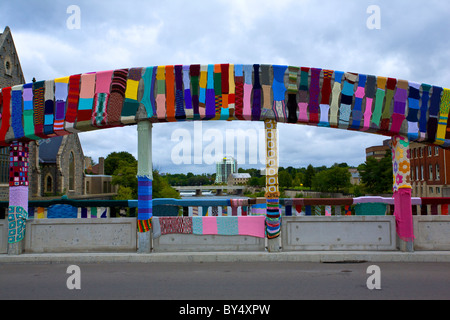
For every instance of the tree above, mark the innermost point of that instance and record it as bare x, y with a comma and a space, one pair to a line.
334, 179
112, 161
309, 176
376, 175
284, 179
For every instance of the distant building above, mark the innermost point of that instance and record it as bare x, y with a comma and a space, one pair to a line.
355, 178
378, 152
430, 171
238, 179
224, 168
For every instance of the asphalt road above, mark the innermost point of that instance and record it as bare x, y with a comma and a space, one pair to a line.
225, 281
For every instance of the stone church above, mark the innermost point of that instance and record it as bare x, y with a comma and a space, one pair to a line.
56, 165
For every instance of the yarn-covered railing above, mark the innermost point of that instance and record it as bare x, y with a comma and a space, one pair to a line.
288, 94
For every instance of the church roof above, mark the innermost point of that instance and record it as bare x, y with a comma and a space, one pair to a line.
48, 149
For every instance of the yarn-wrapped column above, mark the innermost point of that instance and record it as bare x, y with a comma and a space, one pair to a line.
402, 188
273, 218
145, 177
18, 195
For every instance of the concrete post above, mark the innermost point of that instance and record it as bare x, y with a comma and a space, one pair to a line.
18, 196
145, 178
402, 192
273, 217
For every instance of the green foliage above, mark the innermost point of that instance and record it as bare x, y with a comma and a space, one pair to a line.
334, 179
284, 179
116, 159
376, 175
124, 174
309, 176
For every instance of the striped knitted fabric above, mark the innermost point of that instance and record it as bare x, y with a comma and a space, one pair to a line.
248, 87
217, 91
273, 219
38, 103
72, 103
387, 110
161, 93
346, 100
426, 88
101, 97
325, 99
400, 98
145, 191
144, 225
267, 111
256, 101
194, 72
202, 89
49, 108
131, 104
303, 96
210, 102
433, 113
28, 124
179, 101
16, 111
187, 93
292, 94
224, 74
357, 108
314, 92
117, 97
443, 118
335, 98
379, 99
279, 91
370, 96
147, 100
170, 94
61, 92
231, 93
86, 102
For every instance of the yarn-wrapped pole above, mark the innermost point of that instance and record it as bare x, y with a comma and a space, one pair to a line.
18, 196
145, 179
272, 194
402, 191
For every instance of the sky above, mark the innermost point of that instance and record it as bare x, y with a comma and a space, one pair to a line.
410, 42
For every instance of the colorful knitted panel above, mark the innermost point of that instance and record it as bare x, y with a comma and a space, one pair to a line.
18, 164
252, 92
145, 192
17, 217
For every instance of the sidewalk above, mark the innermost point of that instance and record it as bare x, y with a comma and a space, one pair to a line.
180, 257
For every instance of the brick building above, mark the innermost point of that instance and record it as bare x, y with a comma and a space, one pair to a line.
430, 168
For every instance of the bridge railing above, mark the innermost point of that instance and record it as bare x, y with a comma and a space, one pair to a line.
70, 208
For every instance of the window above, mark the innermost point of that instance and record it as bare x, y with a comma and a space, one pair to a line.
438, 175
421, 172
438, 190
430, 172
421, 152
417, 173
48, 184
429, 151
71, 171
436, 151
430, 189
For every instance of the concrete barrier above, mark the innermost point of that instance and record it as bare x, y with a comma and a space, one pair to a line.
338, 233
81, 235
431, 232
3, 236
204, 243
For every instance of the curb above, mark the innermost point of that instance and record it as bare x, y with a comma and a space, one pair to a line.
200, 257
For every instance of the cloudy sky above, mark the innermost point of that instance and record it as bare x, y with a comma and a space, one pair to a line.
412, 43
